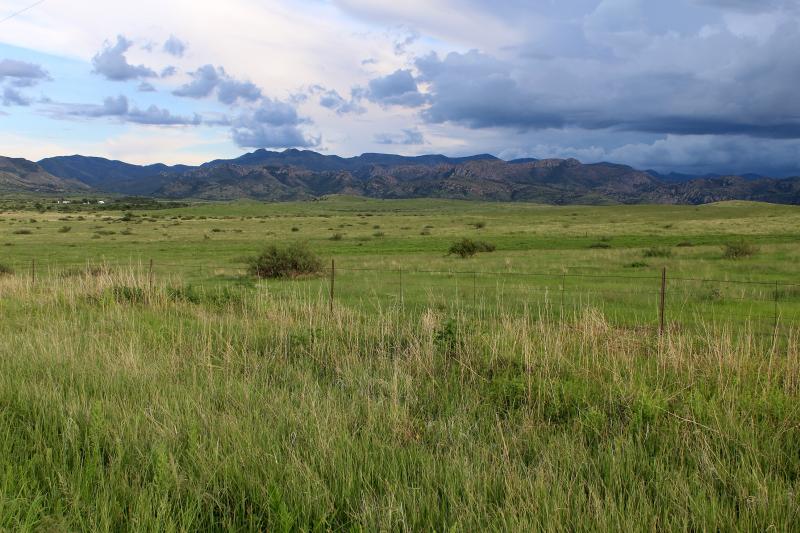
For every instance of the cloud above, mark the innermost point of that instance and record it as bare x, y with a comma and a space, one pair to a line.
146, 87
204, 81
119, 107
676, 86
407, 137
229, 90
398, 88
331, 99
111, 62
157, 116
273, 124
13, 97
22, 72
174, 46
401, 45
168, 71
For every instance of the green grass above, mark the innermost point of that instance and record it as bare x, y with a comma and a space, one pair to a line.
434, 393
197, 409
579, 254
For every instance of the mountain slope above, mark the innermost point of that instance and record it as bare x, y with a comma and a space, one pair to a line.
109, 175
557, 181
299, 174
21, 175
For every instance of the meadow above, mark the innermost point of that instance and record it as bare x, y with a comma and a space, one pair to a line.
522, 389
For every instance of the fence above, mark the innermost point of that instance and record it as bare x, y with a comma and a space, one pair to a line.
656, 301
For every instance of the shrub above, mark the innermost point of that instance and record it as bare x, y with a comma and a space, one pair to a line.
600, 245
685, 244
658, 251
467, 248
480, 225
337, 237
739, 250
5, 270
22, 232
65, 229
295, 229
285, 262
637, 264
378, 234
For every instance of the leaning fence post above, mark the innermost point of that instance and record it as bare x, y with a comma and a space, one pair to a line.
662, 301
333, 279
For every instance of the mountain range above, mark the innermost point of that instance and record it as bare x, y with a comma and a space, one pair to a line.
303, 174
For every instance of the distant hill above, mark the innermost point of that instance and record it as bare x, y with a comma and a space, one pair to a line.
299, 174
109, 175
21, 175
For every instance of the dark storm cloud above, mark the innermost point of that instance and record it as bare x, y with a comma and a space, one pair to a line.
273, 124
208, 78
111, 62
753, 93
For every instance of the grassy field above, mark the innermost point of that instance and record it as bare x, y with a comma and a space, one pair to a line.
389, 252
436, 393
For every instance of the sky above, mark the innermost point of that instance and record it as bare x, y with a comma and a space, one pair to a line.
693, 86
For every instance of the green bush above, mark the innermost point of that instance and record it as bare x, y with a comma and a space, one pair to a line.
65, 229
285, 261
467, 248
22, 232
739, 250
5, 270
600, 245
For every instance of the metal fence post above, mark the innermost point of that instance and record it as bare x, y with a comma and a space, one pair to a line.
662, 301
333, 279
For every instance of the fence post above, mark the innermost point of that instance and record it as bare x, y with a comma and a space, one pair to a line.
474, 291
563, 289
33, 271
402, 299
662, 301
775, 330
333, 279
150, 277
